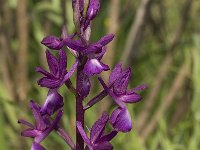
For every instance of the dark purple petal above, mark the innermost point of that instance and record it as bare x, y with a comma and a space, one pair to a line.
130, 98
53, 102
44, 72
114, 115
49, 83
92, 11
52, 42
115, 98
98, 127
21, 121
108, 137
99, 47
71, 71
65, 36
100, 55
84, 84
137, 88
121, 84
93, 48
30, 133
75, 44
62, 62
39, 122
53, 126
106, 39
37, 146
103, 146
52, 62
94, 66
121, 120
83, 134
115, 73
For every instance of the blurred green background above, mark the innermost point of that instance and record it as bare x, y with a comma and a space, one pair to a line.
159, 39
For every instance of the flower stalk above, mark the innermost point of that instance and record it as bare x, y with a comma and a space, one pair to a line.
88, 63
79, 109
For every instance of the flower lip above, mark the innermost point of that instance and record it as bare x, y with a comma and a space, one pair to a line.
58, 74
53, 102
121, 120
94, 66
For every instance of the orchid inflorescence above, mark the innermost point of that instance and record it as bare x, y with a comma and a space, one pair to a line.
87, 64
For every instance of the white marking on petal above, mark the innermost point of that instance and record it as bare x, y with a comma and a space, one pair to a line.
96, 63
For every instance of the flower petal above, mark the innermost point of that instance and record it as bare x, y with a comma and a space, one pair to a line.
83, 134
44, 72
100, 55
121, 120
108, 137
106, 39
115, 73
114, 115
94, 66
53, 126
121, 84
98, 127
130, 98
30, 133
115, 98
39, 122
49, 83
52, 62
52, 42
137, 88
92, 11
93, 49
62, 62
71, 71
37, 146
99, 46
25, 123
75, 44
103, 146
53, 102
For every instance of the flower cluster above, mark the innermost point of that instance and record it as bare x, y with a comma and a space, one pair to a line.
87, 64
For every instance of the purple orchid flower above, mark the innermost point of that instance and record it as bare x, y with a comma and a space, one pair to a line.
98, 140
121, 79
42, 127
120, 118
94, 52
58, 74
53, 102
88, 63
